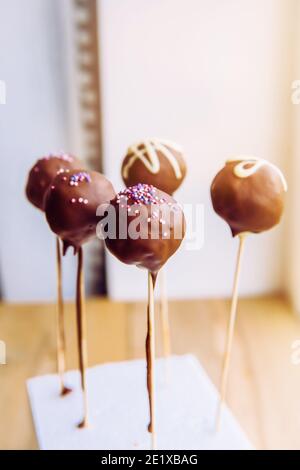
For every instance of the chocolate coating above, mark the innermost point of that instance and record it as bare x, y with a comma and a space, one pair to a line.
71, 204
42, 174
165, 215
249, 204
164, 176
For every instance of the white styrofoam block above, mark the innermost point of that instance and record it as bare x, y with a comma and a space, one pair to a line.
186, 406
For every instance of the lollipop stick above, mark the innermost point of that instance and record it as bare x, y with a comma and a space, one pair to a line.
60, 327
150, 354
81, 331
230, 331
164, 312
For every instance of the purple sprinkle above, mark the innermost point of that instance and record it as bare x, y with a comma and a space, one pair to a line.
79, 178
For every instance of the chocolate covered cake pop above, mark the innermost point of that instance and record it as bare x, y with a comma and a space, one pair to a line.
144, 226
160, 222
38, 182
160, 163
42, 174
71, 204
248, 193
154, 161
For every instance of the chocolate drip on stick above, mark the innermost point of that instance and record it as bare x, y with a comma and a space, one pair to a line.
161, 163
81, 332
60, 327
39, 180
150, 356
71, 204
150, 250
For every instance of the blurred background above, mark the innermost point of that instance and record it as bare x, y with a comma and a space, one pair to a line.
214, 76
92, 77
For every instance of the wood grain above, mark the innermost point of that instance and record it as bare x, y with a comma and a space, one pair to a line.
263, 388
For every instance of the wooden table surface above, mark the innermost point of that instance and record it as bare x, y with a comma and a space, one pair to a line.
264, 385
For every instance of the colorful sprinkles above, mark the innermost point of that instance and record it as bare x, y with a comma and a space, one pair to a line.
79, 178
74, 180
141, 194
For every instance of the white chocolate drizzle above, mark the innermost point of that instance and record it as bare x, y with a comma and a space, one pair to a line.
146, 152
241, 170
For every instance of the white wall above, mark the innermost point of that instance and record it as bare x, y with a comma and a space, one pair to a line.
33, 122
292, 261
213, 75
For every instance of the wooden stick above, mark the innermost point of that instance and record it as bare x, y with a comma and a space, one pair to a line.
60, 326
164, 312
230, 331
81, 332
150, 355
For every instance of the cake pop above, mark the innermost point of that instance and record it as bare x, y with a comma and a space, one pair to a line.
70, 205
38, 182
161, 163
248, 193
153, 228
154, 161
43, 172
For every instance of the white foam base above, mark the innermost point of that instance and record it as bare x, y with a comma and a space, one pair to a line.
186, 407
